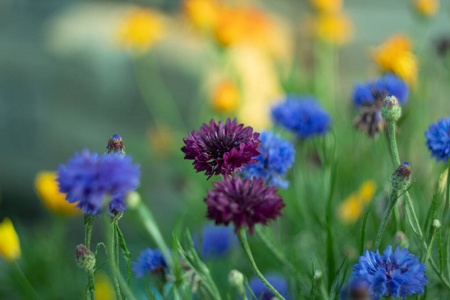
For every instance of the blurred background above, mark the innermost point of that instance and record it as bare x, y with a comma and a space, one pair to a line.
73, 73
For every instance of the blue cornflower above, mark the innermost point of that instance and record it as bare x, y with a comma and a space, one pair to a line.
398, 274
217, 240
302, 115
263, 293
88, 178
277, 156
366, 93
438, 139
149, 261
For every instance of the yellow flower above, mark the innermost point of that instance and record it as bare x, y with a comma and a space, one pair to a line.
9, 241
327, 6
351, 209
225, 97
103, 287
47, 190
395, 56
336, 29
202, 13
427, 8
367, 190
140, 29
161, 139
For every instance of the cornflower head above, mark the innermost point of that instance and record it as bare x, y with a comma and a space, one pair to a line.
263, 293
10, 245
301, 115
47, 189
438, 139
243, 202
369, 96
88, 179
366, 93
277, 156
149, 261
395, 56
140, 29
115, 145
222, 148
217, 241
398, 274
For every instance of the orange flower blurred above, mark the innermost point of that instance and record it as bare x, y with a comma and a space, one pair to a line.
47, 190
202, 13
427, 8
225, 97
140, 29
395, 56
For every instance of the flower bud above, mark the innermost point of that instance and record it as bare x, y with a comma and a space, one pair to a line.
85, 258
436, 224
401, 240
236, 279
401, 177
391, 109
133, 199
115, 145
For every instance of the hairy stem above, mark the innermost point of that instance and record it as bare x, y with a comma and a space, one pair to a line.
245, 246
88, 226
387, 213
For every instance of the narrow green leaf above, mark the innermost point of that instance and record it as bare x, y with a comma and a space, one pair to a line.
363, 230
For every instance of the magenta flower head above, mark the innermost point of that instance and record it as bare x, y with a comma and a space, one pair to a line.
222, 148
244, 202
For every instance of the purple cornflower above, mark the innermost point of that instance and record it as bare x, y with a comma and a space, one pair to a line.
367, 93
263, 293
149, 261
355, 289
301, 115
277, 156
88, 178
398, 274
438, 139
222, 148
244, 202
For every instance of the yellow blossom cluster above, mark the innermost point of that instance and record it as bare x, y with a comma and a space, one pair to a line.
9, 245
395, 56
140, 29
352, 208
426, 8
330, 24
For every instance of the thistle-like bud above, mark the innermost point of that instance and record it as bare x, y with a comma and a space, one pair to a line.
436, 224
401, 240
115, 145
85, 258
235, 278
401, 177
391, 110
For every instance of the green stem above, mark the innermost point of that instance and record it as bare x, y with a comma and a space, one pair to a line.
88, 226
387, 213
430, 246
245, 246
23, 280
447, 193
113, 259
394, 150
